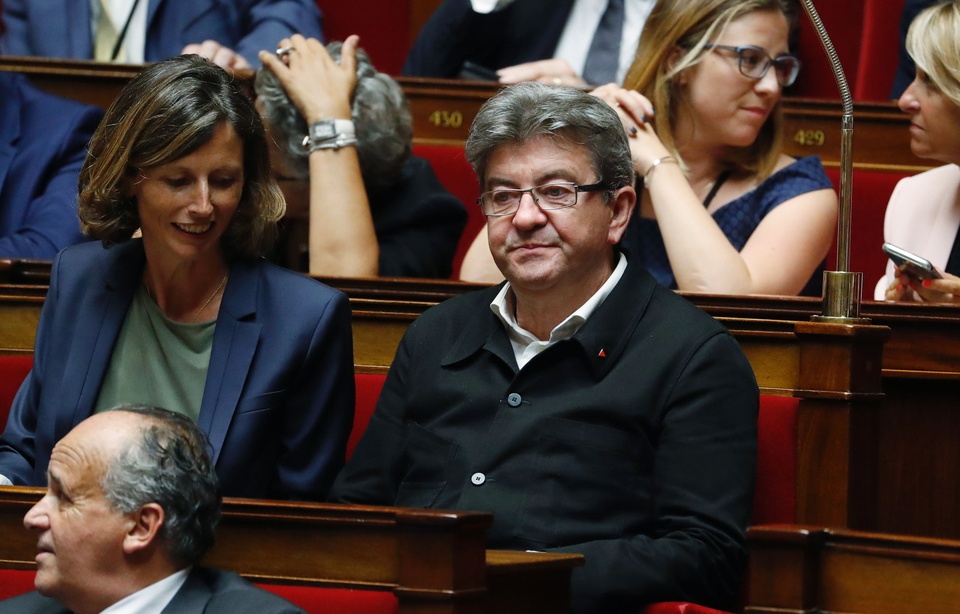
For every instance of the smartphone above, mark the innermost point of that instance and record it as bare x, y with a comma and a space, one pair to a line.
912, 264
476, 72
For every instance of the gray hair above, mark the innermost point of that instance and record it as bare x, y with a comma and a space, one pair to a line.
519, 113
379, 111
168, 465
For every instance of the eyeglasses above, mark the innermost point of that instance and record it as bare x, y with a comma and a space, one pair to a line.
754, 62
548, 196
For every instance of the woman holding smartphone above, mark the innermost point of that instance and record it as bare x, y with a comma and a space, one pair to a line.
924, 211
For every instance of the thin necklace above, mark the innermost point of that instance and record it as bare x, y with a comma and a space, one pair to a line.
215, 292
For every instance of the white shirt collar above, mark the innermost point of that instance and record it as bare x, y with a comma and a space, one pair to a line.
151, 599
525, 344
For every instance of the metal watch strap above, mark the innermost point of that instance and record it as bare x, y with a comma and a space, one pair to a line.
330, 134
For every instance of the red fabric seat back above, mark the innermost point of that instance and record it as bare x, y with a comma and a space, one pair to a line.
775, 498
383, 27
369, 386
457, 176
317, 600
871, 193
15, 582
13, 370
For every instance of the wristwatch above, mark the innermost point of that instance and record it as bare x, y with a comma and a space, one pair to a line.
330, 134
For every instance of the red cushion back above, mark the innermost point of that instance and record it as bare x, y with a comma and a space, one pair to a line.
369, 386
775, 499
457, 176
13, 370
316, 600
15, 582
871, 192
384, 28
878, 57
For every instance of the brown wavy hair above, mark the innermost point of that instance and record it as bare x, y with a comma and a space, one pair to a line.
167, 112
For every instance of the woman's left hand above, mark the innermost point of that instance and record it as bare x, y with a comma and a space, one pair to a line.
318, 86
946, 290
636, 113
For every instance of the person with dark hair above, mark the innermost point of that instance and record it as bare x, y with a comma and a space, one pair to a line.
189, 315
588, 408
43, 140
131, 506
374, 208
227, 32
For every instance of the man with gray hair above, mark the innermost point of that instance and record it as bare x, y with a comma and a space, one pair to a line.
588, 408
131, 506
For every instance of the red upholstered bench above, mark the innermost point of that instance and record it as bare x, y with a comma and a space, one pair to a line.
457, 176
316, 600
871, 193
369, 386
13, 370
15, 582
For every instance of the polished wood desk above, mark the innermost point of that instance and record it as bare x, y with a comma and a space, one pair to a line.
878, 429
443, 111
433, 561
801, 570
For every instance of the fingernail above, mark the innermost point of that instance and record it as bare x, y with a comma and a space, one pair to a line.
643, 118
926, 283
633, 131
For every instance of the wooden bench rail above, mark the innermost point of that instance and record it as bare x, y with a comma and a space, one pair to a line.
801, 569
443, 111
434, 561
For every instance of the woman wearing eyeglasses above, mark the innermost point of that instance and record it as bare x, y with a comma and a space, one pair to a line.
724, 211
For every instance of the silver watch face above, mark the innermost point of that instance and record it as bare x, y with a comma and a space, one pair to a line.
323, 129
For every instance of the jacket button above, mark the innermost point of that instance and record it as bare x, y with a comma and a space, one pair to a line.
514, 399
478, 478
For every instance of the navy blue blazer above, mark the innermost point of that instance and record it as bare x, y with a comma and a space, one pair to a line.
526, 31
278, 400
61, 28
43, 141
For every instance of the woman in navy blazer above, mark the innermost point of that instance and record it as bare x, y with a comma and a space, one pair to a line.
182, 156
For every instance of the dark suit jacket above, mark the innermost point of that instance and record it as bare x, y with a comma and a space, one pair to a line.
418, 224
633, 442
525, 31
278, 400
43, 140
61, 28
206, 591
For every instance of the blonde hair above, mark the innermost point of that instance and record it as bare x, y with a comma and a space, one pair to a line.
687, 26
933, 41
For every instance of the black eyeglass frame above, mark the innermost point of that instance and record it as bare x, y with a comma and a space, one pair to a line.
599, 186
787, 82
